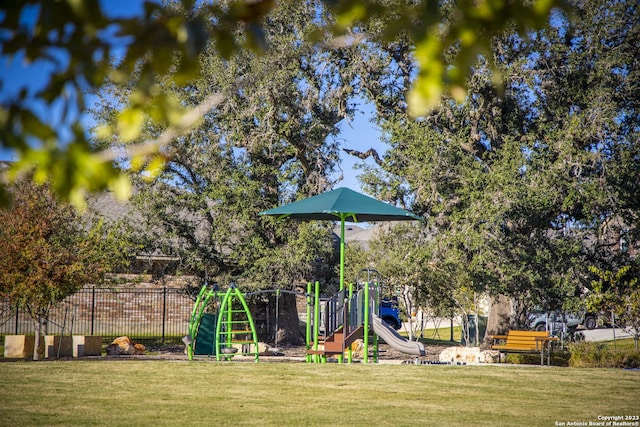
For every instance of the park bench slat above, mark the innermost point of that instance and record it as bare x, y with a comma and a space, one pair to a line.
524, 342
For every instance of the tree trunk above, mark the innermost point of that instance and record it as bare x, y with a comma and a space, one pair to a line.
476, 320
499, 318
288, 329
465, 327
408, 303
36, 341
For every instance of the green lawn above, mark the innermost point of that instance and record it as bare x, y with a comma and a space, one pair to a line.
161, 392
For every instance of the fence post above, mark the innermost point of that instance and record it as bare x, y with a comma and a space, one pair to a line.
93, 307
17, 314
164, 309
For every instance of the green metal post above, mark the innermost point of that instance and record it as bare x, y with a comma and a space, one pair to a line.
192, 323
226, 307
308, 337
342, 219
345, 319
196, 316
350, 354
223, 306
252, 325
229, 319
366, 322
316, 321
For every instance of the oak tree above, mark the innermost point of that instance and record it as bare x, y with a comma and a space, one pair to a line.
525, 186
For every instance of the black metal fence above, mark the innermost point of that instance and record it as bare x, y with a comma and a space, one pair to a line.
139, 313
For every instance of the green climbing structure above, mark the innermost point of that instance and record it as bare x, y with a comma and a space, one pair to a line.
204, 297
235, 330
229, 330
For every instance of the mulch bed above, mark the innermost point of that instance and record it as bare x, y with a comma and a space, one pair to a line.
295, 352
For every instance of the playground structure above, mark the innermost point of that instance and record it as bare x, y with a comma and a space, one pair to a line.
349, 315
227, 329
221, 324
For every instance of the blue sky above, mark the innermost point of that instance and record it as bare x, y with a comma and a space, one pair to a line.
359, 134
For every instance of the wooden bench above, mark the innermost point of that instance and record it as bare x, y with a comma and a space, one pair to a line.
524, 342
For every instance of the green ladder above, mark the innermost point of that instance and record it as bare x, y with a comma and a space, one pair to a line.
235, 326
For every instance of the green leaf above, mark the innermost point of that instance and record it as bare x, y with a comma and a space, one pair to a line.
130, 123
34, 126
121, 186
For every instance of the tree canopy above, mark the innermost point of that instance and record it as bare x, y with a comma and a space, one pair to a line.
272, 139
78, 39
522, 186
618, 293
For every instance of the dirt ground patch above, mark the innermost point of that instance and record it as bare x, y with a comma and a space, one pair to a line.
385, 352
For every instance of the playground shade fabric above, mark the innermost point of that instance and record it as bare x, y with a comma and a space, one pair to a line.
342, 204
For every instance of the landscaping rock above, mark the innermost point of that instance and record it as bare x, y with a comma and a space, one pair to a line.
460, 354
489, 356
124, 346
357, 349
139, 348
263, 348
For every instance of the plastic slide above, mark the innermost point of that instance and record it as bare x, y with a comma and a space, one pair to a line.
395, 340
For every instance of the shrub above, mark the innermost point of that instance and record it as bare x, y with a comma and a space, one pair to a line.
632, 360
601, 355
558, 358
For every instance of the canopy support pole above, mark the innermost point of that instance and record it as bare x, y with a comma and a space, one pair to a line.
342, 220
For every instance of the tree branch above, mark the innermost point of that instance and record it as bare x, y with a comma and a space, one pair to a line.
371, 152
152, 146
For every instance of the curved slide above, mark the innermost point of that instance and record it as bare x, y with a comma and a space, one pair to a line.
395, 340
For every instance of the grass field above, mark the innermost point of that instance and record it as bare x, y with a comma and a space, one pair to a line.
162, 392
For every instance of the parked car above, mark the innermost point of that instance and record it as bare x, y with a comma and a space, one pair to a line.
555, 321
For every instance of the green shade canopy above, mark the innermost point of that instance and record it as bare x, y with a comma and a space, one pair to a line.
341, 204
344, 205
